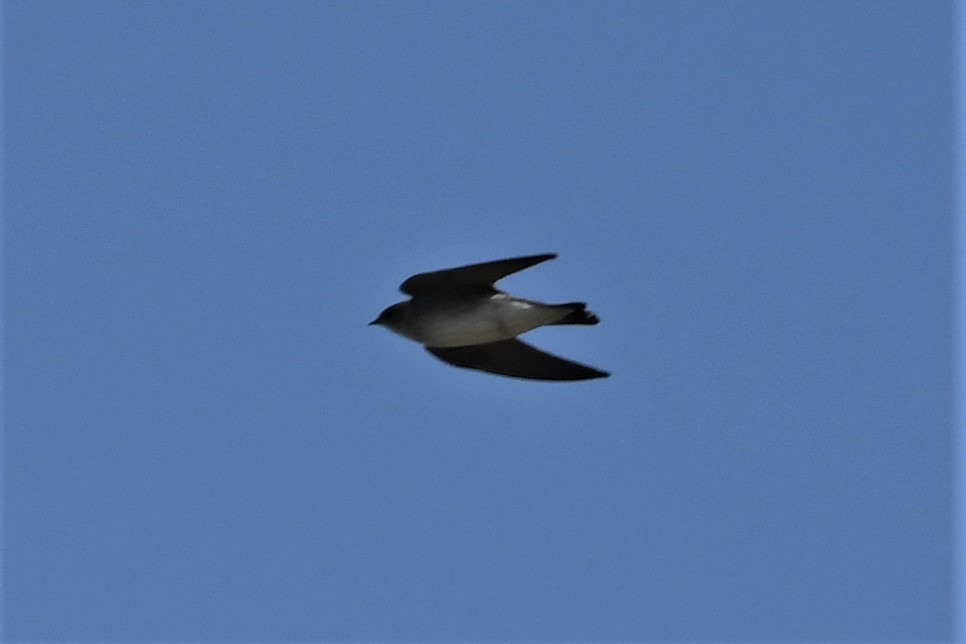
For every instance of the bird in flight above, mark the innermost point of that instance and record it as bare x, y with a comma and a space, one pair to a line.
460, 317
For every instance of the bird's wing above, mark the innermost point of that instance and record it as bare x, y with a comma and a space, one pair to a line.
474, 276
516, 359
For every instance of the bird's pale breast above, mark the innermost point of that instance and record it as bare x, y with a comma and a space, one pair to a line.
497, 318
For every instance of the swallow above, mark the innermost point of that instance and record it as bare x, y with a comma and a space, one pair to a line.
459, 316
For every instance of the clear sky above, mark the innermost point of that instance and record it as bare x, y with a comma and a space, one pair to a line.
206, 202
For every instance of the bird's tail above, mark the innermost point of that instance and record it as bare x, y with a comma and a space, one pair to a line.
578, 314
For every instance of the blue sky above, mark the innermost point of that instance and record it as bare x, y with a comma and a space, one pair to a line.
205, 203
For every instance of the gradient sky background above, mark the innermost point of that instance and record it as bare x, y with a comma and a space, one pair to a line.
205, 203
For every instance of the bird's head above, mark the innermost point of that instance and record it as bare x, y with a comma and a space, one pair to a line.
391, 317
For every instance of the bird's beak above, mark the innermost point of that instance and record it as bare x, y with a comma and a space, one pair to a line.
374, 322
